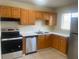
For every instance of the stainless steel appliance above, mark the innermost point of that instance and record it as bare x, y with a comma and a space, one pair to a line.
73, 40
31, 44
10, 42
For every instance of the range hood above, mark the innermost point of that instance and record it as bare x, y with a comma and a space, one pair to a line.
9, 19
7, 22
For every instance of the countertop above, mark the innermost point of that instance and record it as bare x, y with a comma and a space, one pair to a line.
49, 33
25, 34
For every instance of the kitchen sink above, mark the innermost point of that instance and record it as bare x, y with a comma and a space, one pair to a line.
41, 32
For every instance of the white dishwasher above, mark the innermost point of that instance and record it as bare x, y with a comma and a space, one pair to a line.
31, 44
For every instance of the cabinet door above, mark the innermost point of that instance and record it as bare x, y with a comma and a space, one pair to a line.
24, 16
55, 42
39, 15
59, 43
46, 16
42, 42
5, 11
15, 12
63, 45
52, 19
31, 19
48, 41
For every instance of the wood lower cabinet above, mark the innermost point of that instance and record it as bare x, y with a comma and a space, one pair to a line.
43, 42
24, 45
46, 41
54, 41
59, 43
63, 45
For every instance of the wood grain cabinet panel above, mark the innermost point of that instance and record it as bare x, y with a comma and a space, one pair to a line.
15, 12
55, 42
63, 45
48, 40
52, 19
5, 11
24, 45
39, 15
59, 43
24, 16
32, 18
43, 42
46, 16
27, 17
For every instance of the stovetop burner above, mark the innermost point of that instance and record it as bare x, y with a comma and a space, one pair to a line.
14, 34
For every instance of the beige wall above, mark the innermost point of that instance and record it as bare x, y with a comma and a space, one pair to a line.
60, 11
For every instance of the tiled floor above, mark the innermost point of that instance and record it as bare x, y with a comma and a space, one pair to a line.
45, 54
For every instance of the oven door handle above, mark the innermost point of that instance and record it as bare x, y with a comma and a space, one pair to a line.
11, 39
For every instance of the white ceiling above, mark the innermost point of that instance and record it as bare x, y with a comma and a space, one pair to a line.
48, 3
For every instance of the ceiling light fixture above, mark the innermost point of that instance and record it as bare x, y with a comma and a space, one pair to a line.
40, 2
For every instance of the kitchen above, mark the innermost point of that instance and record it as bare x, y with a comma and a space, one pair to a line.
33, 30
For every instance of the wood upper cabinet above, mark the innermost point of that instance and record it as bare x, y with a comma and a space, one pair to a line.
15, 12
39, 15
24, 16
43, 42
46, 16
5, 11
31, 16
59, 43
27, 17
50, 18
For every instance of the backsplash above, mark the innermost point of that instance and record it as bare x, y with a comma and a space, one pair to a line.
39, 26
9, 24
34, 28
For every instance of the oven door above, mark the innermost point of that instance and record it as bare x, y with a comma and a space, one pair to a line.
11, 46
